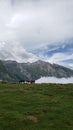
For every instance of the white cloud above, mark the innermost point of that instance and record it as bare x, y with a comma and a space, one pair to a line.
61, 58
55, 80
34, 24
13, 51
58, 57
39, 22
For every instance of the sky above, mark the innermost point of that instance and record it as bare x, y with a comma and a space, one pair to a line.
37, 29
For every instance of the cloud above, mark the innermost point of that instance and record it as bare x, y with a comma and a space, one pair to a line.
59, 53
58, 57
38, 22
55, 80
13, 51
29, 24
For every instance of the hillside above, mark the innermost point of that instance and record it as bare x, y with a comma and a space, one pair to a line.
13, 71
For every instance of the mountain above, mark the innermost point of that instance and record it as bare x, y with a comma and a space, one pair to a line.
13, 71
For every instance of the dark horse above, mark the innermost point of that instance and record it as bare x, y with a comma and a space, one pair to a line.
27, 81
22, 81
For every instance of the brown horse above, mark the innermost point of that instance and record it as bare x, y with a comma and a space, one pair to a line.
31, 81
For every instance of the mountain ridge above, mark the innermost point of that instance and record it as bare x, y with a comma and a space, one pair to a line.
13, 71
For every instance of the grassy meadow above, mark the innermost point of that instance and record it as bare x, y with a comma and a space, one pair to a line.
36, 107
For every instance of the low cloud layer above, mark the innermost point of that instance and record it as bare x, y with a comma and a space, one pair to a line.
55, 80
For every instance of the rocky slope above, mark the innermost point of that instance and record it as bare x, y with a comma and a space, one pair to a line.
13, 71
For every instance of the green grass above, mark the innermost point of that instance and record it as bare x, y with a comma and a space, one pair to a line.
36, 107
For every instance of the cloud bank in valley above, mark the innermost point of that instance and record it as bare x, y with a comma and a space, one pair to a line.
55, 80
29, 24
